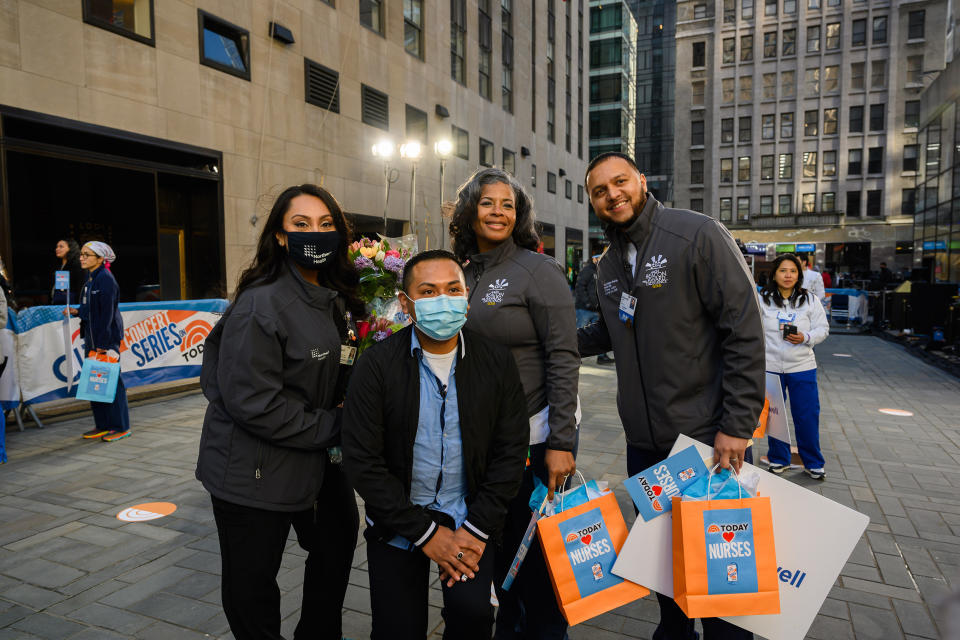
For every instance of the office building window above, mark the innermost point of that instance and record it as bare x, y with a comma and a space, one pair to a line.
461, 142
743, 169
130, 18
609, 53
829, 163
699, 11
785, 171
726, 130
727, 89
811, 80
770, 44
697, 96
858, 33
808, 203
770, 7
785, 205
696, 204
416, 124
830, 121
915, 69
729, 50
224, 46
786, 125
551, 71
746, 88
831, 79
856, 119
880, 30
743, 208
788, 87
551, 182
485, 35
726, 209
813, 5
908, 204
768, 125
608, 89
911, 154
746, 48
769, 86
696, 171
855, 162
696, 132
746, 129
811, 122
371, 14
567, 189
766, 205
875, 160
729, 11
322, 86
509, 162
857, 71
458, 40
828, 202
413, 27
533, 174
746, 9
699, 54
486, 153
580, 194
853, 204
374, 108
915, 24
833, 36
911, 114
809, 164
877, 117
726, 169
606, 18
789, 42
813, 39
874, 199
878, 74
789, 7
766, 167
506, 59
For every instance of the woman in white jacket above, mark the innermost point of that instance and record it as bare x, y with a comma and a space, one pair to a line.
793, 323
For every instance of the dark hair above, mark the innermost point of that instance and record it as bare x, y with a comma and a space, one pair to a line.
432, 254
465, 212
772, 291
604, 157
73, 249
268, 263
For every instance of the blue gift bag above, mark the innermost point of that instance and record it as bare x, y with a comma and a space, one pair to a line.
98, 379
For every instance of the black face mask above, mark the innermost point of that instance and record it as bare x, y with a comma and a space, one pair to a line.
313, 249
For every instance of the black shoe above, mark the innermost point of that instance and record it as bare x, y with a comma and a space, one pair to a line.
816, 474
604, 359
776, 468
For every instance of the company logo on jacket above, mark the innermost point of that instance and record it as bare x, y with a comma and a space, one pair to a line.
727, 546
655, 272
495, 292
317, 355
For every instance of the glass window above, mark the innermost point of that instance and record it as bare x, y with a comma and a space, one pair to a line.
853, 204
746, 88
486, 153
908, 202
131, 18
696, 171
766, 167
729, 11
608, 17
371, 14
551, 182
770, 7
743, 208
746, 9
858, 33
915, 69
875, 160
786, 125
580, 194
830, 121
415, 124
857, 71
831, 79
458, 40
609, 52
696, 204
911, 114
768, 127
813, 5
786, 166
877, 117
461, 142
746, 127
856, 119
855, 162
726, 169
727, 89
699, 11
769, 86
224, 46
605, 124
726, 209
729, 50
606, 88
813, 39
915, 24
485, 36
696, 132
911, 154
743, 169
510, 162
809, 164
828, 202
789, 7
829, 163
726, 130
785, 205
789, 42
811, 80
878, 74
808, 202
874, 199
533, 169
770, 44
699, 53
413, 27
567, 189
698, 89
787, 84
746, 48
880, 30
833, 36
811, 122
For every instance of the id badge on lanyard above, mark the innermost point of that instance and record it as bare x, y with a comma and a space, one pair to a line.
628, 308
348, 352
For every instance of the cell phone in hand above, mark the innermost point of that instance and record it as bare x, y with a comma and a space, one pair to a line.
789, 330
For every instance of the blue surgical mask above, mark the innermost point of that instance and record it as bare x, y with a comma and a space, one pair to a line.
440, 317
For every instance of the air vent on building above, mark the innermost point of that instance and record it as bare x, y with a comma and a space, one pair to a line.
374, 110
321, 87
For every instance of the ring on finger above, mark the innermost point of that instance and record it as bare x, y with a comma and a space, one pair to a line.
460, 556
463, 577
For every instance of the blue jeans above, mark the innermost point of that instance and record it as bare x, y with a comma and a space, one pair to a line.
805, 409
585, 317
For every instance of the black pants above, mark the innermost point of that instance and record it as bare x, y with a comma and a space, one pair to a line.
529, 609
674, 624
251, 547
399, 596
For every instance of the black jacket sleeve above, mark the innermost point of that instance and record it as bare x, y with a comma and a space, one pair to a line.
364, 458
553, 315
506, 453
585, 299
249, 376
102, 306
594, 339
727, 292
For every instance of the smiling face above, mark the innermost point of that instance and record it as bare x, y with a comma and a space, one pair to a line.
786, 275
617, 191
306, 213
61, 250
496, 215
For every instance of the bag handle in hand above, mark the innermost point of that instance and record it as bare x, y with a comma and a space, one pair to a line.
735, 475
582, 481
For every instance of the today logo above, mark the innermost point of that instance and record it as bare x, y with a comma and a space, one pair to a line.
728, 548
585, 535
592, 544
652, 491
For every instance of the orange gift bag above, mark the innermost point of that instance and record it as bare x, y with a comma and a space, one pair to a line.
580, 545
724, 561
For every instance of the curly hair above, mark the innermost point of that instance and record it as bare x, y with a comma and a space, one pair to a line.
465, 213
771, 291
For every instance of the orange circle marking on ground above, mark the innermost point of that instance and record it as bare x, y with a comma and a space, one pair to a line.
146, 511
896, 412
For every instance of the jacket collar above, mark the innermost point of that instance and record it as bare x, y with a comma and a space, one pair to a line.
638, 230
314, 295
502, 253
417, 351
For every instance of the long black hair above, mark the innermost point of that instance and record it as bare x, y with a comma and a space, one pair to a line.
268, 263
465, 213
771, 291
73, 250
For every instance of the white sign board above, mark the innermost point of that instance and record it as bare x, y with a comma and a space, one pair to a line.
777, 426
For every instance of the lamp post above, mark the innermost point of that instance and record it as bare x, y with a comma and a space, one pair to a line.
384, 149
411, 150
442, 149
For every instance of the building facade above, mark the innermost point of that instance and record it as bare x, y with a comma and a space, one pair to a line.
800, 121
168, 128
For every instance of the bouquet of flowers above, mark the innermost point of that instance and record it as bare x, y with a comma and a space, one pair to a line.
380, 264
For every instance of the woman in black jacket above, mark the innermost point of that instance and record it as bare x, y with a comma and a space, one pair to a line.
273, 375
68, 259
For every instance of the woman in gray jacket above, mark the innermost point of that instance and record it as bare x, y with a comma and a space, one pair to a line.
521, 299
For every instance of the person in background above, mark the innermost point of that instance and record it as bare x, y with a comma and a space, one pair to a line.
886, 276
274, 371
101, 326
521, 299
827, 279
586, 301
813, 281
68, 259
793, 323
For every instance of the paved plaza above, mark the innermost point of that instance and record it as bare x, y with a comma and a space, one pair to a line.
70, 569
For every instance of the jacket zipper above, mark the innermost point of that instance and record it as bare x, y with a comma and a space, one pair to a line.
256, 473
476, 281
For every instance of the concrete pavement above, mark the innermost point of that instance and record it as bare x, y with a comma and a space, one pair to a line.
70, 569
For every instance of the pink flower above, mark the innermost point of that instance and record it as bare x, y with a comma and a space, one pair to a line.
393, 252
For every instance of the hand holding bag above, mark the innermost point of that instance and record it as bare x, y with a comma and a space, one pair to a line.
98, 378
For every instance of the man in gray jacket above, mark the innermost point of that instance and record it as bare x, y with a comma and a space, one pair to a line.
679, 310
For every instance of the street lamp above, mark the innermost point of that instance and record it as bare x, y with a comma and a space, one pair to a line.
442, 148
384, 149
411, 151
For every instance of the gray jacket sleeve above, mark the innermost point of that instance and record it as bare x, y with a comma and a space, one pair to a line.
551, 308
727, 292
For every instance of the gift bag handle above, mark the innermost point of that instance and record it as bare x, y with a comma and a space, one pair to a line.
582, 481
735, 475
102, 357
